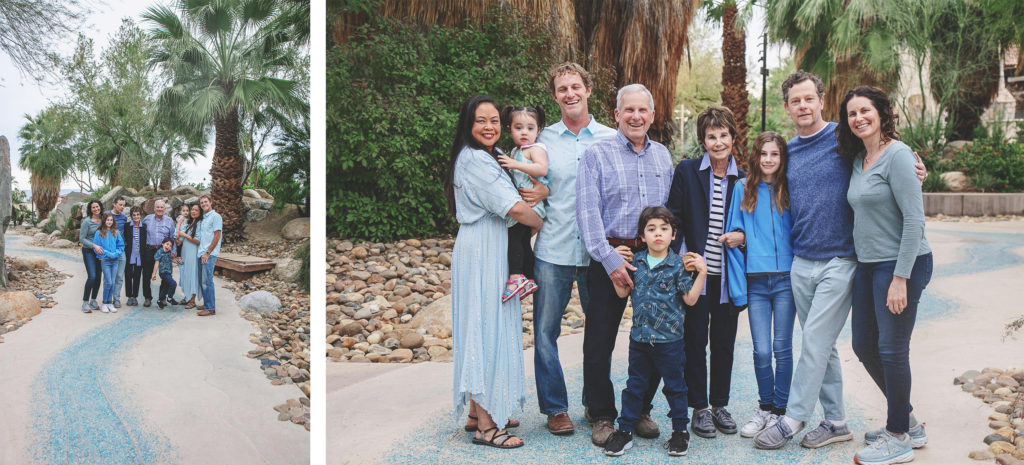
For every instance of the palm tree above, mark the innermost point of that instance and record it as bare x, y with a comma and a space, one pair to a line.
46, 153
734, 62
225, 58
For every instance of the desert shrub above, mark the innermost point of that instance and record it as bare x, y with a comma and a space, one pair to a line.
991, 166
393, 95
934, 182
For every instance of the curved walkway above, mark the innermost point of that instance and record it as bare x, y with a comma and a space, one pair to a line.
975, 291
142, 386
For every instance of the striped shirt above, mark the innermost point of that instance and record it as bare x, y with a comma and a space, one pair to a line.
614, 184
716, 224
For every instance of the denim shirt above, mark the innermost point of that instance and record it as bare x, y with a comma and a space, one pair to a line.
658, 299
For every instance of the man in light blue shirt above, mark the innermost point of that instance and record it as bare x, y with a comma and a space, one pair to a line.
209, 246
119, 220
561, 257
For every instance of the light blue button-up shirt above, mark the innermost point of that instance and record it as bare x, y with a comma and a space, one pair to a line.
211, 222
559, 241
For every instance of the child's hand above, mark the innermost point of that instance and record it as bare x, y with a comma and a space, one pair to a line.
508, 162
693, 261
625, 252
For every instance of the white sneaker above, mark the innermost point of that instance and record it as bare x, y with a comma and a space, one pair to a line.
104, 308
112, 308
761, 420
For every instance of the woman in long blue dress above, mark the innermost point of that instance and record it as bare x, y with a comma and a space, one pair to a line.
188, 241
487, 334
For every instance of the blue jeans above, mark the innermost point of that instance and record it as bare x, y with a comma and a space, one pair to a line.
881, 339
92, 269
648, 362
119, 276
822, 290
554, 288
770, 300
207, 282
109, 272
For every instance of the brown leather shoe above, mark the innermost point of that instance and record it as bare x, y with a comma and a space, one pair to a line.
603, 429
646, 427
560, 425
207, 313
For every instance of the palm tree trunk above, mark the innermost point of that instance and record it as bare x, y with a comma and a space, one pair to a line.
226, 172
165, 171
45, 192
734, 74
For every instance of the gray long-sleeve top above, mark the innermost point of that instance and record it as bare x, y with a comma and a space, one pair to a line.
888, 211
85, 235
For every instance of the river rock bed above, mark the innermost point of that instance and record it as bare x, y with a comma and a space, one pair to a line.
388, 303
1003, 391
35, 276
263, 248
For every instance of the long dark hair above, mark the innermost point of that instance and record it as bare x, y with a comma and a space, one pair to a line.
88, 209
463, 138
780, 187
193, 223
849, 144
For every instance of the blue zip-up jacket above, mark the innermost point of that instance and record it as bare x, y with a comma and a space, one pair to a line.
113, 244
768, 235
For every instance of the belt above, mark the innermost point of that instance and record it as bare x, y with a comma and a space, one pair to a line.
154, 246
631, 243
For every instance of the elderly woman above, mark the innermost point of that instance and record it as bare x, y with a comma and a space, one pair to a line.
894, 263
487, 332
700, 197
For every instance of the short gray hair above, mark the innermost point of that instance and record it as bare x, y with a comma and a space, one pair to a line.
160, 201
633, 88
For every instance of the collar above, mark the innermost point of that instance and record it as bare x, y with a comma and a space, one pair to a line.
208, 213
705, 163
623, 140
667, 261
561, 128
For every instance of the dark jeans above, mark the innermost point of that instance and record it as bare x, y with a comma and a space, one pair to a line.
147, 270
881, 339
648, 362
604, 313
92, 269
167, 286
132, 279
721, 319
520, 254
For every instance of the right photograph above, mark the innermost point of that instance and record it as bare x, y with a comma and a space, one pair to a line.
740, 232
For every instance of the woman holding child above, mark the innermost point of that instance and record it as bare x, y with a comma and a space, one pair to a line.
894, 263
700, 198
487, 339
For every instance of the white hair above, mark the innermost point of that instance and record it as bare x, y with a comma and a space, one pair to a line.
633, 88
160, 201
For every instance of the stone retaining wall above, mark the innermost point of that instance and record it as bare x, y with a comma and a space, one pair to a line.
973, 204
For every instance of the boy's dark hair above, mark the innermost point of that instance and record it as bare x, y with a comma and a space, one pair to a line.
651, 213
166, 240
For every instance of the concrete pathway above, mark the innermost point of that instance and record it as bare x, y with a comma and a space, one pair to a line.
401, 414
141, 386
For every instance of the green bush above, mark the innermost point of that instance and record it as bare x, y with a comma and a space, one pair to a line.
934, 182
991, 166
393, 96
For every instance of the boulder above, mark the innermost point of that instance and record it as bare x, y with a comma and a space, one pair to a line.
954, 146
115, 192
137, 201
62, 244
18, 305
956, 180
42, 224
186, 190
41, 237
253, 216
250, 193
260, 301
296, 229
287, 269
438, 313
67, 204
173, 204
264, 194
194, 200
28, 263
255, 203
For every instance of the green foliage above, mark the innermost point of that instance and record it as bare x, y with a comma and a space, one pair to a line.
934, 183
288, 178
991, 167
393, 94
50, 227
302, 253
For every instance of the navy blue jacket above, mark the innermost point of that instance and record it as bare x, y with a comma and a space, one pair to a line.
689, 201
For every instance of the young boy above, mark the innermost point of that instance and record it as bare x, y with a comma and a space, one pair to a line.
167, 283
661, 285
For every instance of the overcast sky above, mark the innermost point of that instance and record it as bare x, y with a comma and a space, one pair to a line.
22, 95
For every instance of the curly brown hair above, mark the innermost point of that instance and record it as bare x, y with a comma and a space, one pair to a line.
849, 144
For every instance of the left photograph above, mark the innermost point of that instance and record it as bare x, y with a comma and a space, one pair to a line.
155, 207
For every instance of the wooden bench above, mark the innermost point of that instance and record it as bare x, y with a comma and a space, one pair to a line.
241, 267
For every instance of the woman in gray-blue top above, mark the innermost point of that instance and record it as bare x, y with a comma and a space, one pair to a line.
894, 264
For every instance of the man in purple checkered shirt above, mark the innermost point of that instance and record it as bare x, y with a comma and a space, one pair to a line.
618, 177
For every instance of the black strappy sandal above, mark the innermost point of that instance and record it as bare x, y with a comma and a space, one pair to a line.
472, 429
493, 442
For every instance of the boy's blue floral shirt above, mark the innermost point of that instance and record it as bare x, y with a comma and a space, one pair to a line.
164, 258
658, 299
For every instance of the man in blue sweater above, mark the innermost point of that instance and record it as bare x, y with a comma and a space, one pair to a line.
824, 263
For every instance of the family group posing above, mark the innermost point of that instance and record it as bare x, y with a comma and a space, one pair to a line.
137, 250
831, 220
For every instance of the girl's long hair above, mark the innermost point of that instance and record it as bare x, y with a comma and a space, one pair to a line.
193, 223
103, 225
849, 144
780, 188
463, 138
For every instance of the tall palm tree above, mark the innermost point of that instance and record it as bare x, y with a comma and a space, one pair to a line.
734, 61
225, 58
46, 153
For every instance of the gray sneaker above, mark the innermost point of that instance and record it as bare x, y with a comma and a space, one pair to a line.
917, 436
86, 308
774, 437
826, 433
117, 303
602, 430
94, 305
703, 425
646, 427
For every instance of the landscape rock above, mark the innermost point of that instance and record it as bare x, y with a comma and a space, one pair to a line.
260, 301
62, 244
980, 455
956, 181
1000, 447
29, 263
287, 269
400, 355
296, 229
18, 305
108, 199
253, 216
250, 193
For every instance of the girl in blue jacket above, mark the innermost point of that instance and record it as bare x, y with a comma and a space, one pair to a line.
111, 247
760, 212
